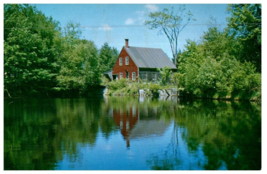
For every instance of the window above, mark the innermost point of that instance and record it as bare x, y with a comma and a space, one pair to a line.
120, 61
127, 74
154, 76
133, 76
127, 60
134, 111
149, 76
143, 76
115, 77
121, 125
127, 125
121, 75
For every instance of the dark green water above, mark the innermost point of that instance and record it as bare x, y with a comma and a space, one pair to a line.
127, 133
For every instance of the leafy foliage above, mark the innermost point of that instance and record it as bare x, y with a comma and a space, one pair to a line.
107, 57
29, 52
78, 61
223, 64
210, 68
40, 57
245, 25
165, 74
127, 87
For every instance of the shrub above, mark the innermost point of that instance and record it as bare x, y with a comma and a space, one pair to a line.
153, 89
119, 84
133, 90
165, 73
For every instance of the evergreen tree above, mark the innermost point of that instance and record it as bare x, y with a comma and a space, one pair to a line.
245, 25
107, 57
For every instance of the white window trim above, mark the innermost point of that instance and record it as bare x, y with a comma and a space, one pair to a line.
146, 76
121, 75
133, 76
120, 61
154, 76
126, 60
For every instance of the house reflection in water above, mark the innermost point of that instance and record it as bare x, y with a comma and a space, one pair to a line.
139, 123
126, 119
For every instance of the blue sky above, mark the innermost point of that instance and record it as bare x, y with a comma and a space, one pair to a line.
112, 23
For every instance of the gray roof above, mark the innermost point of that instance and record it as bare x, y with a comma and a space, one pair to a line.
146, 128
109, 73
149, 57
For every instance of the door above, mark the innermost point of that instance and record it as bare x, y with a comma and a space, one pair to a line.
115, 77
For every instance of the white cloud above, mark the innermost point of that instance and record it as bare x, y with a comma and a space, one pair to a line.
105, 27
129, 21
141, 15
140, 12
152, 7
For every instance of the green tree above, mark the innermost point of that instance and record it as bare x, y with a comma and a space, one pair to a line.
29, 50
210, 68
245, 25
78, 61
213, 48
165, 74
171, 25
107, 57
189, 64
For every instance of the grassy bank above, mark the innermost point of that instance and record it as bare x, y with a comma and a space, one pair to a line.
125, 87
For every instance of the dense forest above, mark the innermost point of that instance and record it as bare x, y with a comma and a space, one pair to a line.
225, 62
42, 57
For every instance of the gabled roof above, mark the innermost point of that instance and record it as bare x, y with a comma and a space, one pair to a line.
144, 128
149, 57
109, 74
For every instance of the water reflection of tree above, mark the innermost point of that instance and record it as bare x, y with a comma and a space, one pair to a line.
228, 133
244, 129
27, 144
37, 133
170, 158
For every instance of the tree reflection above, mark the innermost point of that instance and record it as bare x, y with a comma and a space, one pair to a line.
206, 134
38, 133
27, 144
228, 133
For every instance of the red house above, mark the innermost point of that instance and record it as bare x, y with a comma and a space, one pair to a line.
126, 120
134, 62
135, 122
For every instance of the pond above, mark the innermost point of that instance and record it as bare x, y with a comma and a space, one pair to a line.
131, 133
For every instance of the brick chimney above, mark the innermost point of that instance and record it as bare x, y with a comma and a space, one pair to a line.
126, 43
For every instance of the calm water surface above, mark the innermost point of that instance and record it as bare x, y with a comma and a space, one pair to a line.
129, 133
